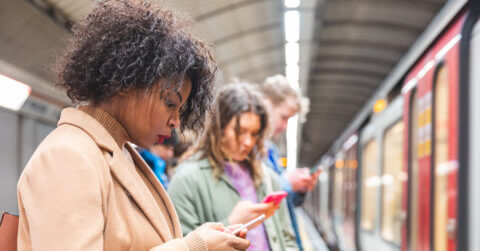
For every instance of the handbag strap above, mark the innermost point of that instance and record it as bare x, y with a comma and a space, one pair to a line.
8, 232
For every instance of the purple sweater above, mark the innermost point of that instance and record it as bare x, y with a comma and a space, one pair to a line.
243, 183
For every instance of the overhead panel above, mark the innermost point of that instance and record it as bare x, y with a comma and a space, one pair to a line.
356, 44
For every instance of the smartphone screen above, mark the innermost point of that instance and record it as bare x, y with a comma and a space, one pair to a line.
275, 197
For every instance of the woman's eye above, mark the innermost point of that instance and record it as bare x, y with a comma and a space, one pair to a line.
170, 104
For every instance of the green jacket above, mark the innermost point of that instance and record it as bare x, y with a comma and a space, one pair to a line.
199, 198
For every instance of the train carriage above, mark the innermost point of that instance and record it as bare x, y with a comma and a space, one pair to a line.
413, 184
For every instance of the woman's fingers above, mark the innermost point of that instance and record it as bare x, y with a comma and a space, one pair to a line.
261, 207
271, 209
274, 207
239, 243
242, 234
230, 229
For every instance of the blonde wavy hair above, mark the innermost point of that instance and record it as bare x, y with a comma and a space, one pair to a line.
277, 89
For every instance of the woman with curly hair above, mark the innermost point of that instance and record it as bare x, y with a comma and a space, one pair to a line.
223, 179
138, 72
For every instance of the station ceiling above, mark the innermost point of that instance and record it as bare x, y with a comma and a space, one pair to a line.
355, 45
347, 47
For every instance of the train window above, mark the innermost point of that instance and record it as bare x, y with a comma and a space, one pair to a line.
440, 199
338, 199
370, 182
350, 185
392, 179
413, 174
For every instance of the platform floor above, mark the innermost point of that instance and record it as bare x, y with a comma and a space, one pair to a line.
311, 239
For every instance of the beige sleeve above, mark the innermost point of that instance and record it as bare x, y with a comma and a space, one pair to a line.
60, 201
191, 242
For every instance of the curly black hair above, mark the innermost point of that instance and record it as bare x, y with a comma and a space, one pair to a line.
123, 45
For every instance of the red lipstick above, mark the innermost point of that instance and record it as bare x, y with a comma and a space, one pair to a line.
162, 138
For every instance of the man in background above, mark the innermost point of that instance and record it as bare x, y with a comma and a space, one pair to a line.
284, 102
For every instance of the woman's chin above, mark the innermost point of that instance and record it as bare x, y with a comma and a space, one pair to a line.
240, 158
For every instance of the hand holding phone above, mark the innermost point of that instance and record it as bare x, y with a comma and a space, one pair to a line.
317, 169
275, 197
248, 224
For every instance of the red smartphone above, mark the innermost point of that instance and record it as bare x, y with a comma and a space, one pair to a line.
275, 197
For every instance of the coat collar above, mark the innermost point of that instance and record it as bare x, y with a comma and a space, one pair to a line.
124, 171
90, 125
204, 163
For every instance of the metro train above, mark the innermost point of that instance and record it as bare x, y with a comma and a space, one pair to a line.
407, 177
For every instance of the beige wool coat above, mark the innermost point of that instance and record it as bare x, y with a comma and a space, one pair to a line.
81, 191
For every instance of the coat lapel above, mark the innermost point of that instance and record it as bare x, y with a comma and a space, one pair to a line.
225, 179
205, 164
160, 189
126, 175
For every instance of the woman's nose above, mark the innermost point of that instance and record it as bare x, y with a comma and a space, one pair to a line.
174, 121
248, 141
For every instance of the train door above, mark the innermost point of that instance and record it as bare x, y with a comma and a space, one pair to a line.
419, 183
369, 167
431, 90
368, 190
324, 216
393, 177
344, 195
381, 176
333, 241
350, 184
339, 199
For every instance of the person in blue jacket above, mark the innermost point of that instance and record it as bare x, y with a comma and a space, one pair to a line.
158, 158
284, 102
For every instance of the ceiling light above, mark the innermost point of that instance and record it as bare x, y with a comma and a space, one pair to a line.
292, 26
13, 93
292, 73
292, 3
292, 51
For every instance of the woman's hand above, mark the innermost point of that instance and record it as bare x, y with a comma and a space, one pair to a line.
217, 237
230, 229
272, 207
245, 211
